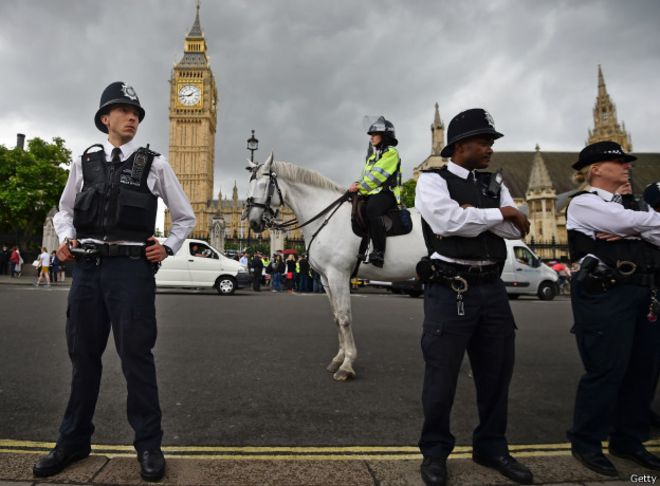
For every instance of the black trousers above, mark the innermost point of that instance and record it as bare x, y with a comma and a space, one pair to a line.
487, 332
119, 293
377, 206
620, 351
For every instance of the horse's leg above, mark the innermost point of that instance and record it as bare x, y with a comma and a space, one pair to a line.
340, 291
339, 357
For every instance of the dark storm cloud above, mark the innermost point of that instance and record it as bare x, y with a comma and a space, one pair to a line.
303, 74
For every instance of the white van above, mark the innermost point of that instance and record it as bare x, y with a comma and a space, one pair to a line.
525, 274
198, 265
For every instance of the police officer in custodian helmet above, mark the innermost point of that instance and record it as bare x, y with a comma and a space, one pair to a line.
106, 221
380, 183
466, 215
614, 308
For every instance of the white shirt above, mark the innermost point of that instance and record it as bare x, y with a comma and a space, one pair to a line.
447, 218
45, 259
592, 213
161, 181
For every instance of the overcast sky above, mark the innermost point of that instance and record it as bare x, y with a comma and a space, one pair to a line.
304, 73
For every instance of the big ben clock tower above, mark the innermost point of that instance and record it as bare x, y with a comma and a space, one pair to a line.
193, 116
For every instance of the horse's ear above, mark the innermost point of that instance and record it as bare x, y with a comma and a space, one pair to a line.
251, 165
269, 161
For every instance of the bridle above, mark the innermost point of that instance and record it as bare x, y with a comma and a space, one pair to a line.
270, 214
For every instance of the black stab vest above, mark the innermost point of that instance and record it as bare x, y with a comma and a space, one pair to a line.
643, 254
115, 202
486, 246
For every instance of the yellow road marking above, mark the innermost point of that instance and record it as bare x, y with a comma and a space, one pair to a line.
297, 453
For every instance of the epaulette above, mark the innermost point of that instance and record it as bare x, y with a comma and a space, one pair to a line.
149, 151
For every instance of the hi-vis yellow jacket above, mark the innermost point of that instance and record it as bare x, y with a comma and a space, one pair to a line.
382, 170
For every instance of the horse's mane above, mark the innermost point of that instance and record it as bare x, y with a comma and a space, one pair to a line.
295, 173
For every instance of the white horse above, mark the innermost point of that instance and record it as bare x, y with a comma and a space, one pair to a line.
333, 252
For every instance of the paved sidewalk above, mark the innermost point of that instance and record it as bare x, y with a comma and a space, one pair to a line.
29, 278
551, 464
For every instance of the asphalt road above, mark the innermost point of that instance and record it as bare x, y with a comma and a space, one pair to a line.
249, 369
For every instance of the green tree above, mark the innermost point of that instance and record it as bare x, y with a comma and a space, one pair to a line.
408, 193
31, 182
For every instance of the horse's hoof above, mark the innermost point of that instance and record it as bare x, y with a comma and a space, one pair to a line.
333, 366
343, 375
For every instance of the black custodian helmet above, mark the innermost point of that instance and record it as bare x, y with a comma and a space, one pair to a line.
466, 124
601, 152
117, 93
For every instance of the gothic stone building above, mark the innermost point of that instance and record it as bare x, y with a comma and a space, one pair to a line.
541, 182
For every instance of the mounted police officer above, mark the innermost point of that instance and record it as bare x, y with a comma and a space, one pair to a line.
466, 214
106, 218
380, 183
614, 307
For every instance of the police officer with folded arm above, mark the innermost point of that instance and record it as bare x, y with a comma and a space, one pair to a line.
466, 215
614, 309
106, 220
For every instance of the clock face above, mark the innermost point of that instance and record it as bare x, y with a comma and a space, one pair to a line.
189, 95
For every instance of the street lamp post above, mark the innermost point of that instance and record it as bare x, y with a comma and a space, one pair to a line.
252, 145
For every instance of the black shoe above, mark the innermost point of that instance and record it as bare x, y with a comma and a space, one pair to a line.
434, 471
377, 259
152, 465
641, 456
58, 459
596, 461
507, 466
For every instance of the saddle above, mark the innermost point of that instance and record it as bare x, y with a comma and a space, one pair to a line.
397, 221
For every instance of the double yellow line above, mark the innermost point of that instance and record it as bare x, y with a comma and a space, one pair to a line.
285, 453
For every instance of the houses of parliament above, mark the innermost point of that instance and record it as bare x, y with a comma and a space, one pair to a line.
539, 181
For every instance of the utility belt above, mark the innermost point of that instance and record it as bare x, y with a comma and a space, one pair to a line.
94, 250
456, 276
597, 278
433, 270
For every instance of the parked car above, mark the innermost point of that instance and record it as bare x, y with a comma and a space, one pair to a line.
198, 265
525, 274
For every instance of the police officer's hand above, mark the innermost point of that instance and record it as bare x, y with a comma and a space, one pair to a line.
624, 189
354, 187
518, 219
155, 252
63, 253
608, 236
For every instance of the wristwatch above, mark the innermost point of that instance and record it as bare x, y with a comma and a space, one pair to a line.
168, 250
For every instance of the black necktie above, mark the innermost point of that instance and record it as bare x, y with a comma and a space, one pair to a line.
116, 155
617, 199
471, 178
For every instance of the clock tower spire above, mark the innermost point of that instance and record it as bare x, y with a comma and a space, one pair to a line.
193, 121
606, 125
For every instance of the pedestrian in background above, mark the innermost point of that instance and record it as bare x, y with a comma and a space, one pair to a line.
4, 260
257, 266
303, 271
43, 269
16, 262
54, 267
290, 272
